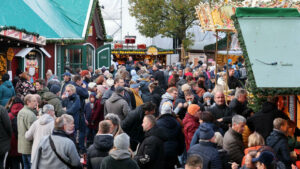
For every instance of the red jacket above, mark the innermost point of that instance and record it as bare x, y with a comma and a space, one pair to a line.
190, 125
14, 110
97, 114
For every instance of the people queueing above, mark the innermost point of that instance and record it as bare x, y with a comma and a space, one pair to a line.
141, 116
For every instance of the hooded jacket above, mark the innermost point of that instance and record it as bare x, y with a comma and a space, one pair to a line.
40, 128
41, 92
97, 151
45, 156
6, 92
116, 104
166, 98
196, 135
153, 147
53, 99
175, 139
118, 159
190, 124
5, 131
279, 142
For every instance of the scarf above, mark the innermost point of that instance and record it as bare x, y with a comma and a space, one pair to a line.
137, 97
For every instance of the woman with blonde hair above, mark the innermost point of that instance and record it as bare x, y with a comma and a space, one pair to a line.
255, 142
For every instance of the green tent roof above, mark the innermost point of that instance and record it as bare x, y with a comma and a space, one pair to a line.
271, 48
54, 19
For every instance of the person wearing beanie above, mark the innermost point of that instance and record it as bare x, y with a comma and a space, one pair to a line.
207, 99
264, 160
207, 148
119, 156
53, 98
174, 146
191, 123
86, 75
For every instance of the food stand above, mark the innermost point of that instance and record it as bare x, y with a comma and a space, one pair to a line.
151, 53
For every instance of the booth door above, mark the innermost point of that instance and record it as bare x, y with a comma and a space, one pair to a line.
74, 57
103, 56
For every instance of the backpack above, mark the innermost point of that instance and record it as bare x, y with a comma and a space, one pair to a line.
243, 73
14, 125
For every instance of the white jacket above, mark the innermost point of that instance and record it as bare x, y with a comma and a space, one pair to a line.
40, 128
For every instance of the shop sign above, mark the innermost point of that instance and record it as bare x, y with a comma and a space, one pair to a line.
10, 54
122, 52
166, 52
23, 36
152, 51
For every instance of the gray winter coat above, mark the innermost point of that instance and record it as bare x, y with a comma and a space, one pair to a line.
166, 98
46, 158
5, 131
116, 104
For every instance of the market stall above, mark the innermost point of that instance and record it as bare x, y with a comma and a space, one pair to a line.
21, 50
151, 53
271, 51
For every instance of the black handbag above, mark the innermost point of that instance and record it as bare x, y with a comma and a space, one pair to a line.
60, 158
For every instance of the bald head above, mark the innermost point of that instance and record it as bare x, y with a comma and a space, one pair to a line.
219, 98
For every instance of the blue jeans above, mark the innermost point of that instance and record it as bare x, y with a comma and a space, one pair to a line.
26, 160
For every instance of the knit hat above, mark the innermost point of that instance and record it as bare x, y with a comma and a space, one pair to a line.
266, 157
92, 84
121, 142
193, 109
207, 94
166, 108
206, 132
84, 73
55, 89
66, 74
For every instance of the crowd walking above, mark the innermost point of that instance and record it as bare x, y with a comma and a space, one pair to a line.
142, 116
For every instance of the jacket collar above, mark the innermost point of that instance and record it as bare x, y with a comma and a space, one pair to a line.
60, 133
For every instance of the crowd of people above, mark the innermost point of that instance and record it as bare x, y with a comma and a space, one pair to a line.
141, 116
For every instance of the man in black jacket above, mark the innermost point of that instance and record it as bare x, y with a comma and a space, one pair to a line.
220, 111
132, 124
239, 104
151, 151
103, 142
5, 134
233, 82
278, 140
159, 76
262, 121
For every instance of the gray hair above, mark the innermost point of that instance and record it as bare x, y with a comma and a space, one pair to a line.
72, 87
240, 92
219, 139
47, 108
237, 119
62, 120
113, 118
